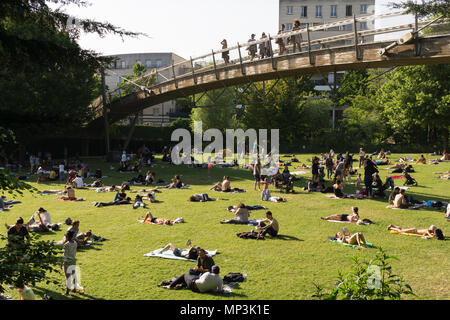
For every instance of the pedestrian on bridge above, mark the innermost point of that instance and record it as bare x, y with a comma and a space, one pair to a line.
225, 54
280, 41
297, 38
262, 47
252, 48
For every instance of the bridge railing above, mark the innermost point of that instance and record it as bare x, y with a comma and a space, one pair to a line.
191, 67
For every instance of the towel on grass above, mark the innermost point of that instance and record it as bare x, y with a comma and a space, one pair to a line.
353, 246
169, 254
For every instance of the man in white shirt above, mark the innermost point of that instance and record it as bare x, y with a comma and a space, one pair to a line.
78, 182
447, 214
70, 268
208, 281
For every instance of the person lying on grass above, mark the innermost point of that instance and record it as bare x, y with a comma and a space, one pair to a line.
354, 217
139, 202
112, 188
207, 282
431, 232
268, 226
191, 253
200, 198
352, 239
257, 207
121, 198
149, 219
3, 206
242, 214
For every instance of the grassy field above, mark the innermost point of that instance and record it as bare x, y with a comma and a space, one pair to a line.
278, 268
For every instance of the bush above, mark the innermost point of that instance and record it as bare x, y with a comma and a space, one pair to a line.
368, 280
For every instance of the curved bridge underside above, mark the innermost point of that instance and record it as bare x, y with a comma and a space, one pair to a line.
428, 50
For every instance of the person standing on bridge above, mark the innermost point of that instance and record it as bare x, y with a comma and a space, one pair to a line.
225, 54
262, 47
252, 48
297, 38
280, 41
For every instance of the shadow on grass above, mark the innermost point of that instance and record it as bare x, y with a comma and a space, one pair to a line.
59, 295
90, 247
285, 238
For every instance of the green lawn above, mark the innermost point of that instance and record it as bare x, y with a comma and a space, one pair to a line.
277, 268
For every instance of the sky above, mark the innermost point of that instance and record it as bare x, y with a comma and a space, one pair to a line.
185, 27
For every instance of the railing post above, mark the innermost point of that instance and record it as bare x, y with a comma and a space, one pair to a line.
193, 71
215, 66
274, 64
174, 75
240, 59
416, 35
311, 58
356, 38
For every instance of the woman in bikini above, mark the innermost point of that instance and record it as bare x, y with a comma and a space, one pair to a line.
431, 232
354, 217
354, 239
149, 219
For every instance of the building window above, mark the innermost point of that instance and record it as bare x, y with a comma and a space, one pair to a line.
348, 11
302, 25
148, 63
363, 9
304, 12
123, 65
288, 26
318, 11
158, 63
333, 13
363, 25
290, 10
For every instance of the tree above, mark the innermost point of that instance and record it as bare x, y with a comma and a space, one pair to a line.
28, 263
425, 8
416, 100
47, 81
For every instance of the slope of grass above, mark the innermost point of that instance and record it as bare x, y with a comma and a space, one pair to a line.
283, 268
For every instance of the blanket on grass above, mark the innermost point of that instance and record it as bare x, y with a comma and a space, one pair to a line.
169, 255
295, 173
353, 246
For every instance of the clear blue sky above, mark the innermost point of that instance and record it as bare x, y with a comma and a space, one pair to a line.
185, 27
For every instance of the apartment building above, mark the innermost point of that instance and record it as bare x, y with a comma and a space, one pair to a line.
159, 115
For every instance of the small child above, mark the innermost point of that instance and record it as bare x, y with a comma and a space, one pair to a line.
358, 181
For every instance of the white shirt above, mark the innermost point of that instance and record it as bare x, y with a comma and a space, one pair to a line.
61, 168
124, 157
209, 282
447, 214
78, 182
45, 216
70, 251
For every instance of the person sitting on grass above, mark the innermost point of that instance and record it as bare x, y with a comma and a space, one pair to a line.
225, 186
400, 200
200, 198
354, 239
3, 206
191, 253
378, 184
176, 183
395, 192
151, 196
150, 178
17, 233
149, 219
421, 160
338, 188
431, 232
78, 182
354, 217
204, 263
272, 227
121, 198
242, 214
70, 194
207, 282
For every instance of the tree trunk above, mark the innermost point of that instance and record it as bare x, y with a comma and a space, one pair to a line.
445, 136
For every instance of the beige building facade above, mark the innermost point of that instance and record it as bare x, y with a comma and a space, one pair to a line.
159, 115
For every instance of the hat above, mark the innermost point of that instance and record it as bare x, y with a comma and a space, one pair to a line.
215, 269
